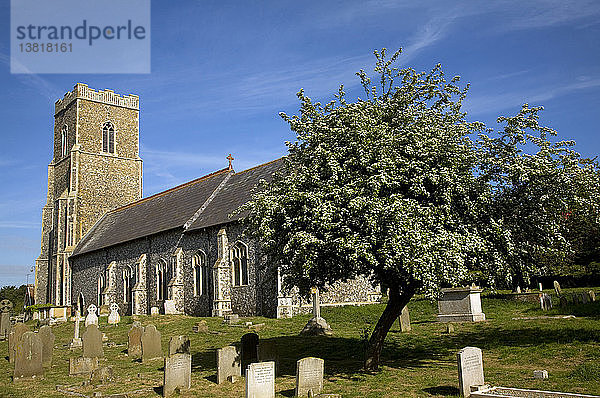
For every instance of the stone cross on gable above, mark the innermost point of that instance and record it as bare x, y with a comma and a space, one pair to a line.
230, 158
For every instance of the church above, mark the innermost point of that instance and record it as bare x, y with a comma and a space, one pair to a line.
181, 251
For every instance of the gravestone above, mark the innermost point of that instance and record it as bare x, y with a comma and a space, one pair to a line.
449, 328
170, 308
557, 288
267, 352
13, 338
103, 310
584, 298
76, 342
470, 369
231, 319
540, 374
260, 380
91, 317
28, 357
102, 375
545, 301
178, 366
592, 296
114, 318
134, 341
81, 365
249, 347
309, 376
540, 286
404, 320
5, 308
518, 290
316, 326
92, 342
154, 311
563, 301
151, 348
228, 363
200, 327
460, 305
47, 338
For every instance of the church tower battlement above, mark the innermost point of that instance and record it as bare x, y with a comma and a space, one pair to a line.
95, 168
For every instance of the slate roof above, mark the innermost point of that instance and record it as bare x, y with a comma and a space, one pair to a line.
206, 201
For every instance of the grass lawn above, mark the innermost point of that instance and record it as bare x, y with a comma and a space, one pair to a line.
416, 364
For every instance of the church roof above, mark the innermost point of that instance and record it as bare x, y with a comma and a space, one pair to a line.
201, 203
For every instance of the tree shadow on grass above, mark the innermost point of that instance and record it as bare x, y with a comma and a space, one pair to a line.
447, 391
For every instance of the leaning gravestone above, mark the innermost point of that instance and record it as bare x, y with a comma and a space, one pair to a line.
114, 317
309, 376
592, 296
557, 288
5, 308
47, 338
92, 342
13, 338
134, 345
260, 380
249, 343
228, 363
178, 366
91, 317
151, 348
404, 320
28, 357
470, 369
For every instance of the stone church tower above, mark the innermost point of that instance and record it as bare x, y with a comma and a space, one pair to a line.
95, 168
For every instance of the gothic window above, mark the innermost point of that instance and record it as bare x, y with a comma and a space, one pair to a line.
239, 255
70, 233
200, 271
101, 287
128, 282
108, 138
161, 280
63, 141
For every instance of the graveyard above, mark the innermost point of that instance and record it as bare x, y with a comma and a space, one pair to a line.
516, 338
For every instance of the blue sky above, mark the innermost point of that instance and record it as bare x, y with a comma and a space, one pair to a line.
221, 73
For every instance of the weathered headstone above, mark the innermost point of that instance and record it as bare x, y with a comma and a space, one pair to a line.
249, 345
47, 338
545, 301
76, 342
134, 341
170, 308
5, 308
102, 375
114, 317
91, 317
404, 320
449, 328
267, 352
228, 363
260, 380
592, 296
200, 327
518, 290
470, 369
78, 366
154, 311
92, 342
557, 288
178, 366
231, 319
28, 357
540, 374
540, 286
309, 376
151, 348
460, 305
13, 338
103, 310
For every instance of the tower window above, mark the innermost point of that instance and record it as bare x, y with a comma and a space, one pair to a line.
108, 138
161, 280
63, 141
239, 255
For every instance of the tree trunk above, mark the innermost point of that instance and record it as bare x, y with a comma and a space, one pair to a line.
392, 311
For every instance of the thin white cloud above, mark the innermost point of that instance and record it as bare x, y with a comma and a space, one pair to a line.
20, 224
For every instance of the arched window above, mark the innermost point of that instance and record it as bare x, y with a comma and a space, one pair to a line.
101, 287
200, 270
239, 256
128, 282
108, 138
161, 280
64, 141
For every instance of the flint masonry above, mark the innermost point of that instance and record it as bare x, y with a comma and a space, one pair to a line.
181, 250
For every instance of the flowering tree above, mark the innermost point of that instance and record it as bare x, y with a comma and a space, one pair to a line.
392, 187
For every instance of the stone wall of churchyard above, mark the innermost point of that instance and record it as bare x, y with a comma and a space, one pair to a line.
259, 297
